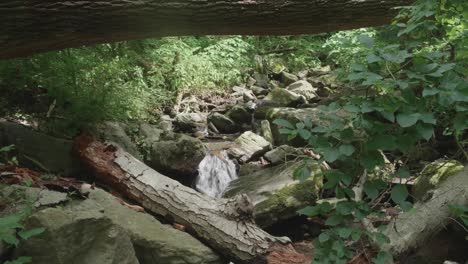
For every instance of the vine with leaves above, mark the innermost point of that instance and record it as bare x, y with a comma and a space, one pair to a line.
416, 90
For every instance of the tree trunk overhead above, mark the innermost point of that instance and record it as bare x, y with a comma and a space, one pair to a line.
226, 225
33, 26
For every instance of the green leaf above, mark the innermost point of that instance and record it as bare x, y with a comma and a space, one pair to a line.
333, 178
330, 154
7, 148
323, 237
402, 173
371, 58
430, 92
371, 190
371, 159
426, 131
334, 220
399, 193
366, 40
389, 116
344, 232
11, 221
285, 131
383, 142
427, 118
283, 123
344, 208
356, 235
30, 233
358, 67
300, 125
10, 238
309, 211
346, 149
305, 134
407, 119
302, 173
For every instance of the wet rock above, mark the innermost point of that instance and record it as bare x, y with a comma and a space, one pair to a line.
248, 96
282, 154
288, 78
257, 90
190, 122
249, 168
285, 97
321, 71
223, 123
117, 132
166, 123
303, 88
266, 131
150, 133
248, 146
78, 234
261, 79
433, 175
177, 158
275, 194
239, 114
34, 148
101, 230
303, 74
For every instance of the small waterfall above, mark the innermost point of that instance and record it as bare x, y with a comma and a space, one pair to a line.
215, 172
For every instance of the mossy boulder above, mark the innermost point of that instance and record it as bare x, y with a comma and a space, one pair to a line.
434, 174
275, 194
178, 158
285, 97
101, 230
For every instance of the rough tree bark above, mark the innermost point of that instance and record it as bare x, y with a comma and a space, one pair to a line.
31, 26
224, 224
411, 230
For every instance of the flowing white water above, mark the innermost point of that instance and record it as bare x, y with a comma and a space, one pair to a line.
215, 172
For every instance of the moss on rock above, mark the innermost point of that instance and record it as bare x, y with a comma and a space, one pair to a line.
434, 174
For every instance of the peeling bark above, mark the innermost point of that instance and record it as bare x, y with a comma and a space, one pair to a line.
412, 230
224, 224
30, 26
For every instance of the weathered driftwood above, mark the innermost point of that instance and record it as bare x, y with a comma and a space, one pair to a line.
224, 224
411, 230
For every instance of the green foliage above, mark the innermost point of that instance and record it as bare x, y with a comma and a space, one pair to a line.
12, 230
411, 86
460, 212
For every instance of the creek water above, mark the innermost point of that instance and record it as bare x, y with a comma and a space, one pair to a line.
215, 172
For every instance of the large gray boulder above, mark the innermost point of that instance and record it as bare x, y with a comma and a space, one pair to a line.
282, 154
275, 194
288, 78
283, 97
303, 88
178, 158
223, 123
39, 150
101, 230
248, 146
190, 122
116, 132
79, 233
239, 114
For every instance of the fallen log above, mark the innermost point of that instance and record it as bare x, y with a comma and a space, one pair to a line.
412, 230
224, 224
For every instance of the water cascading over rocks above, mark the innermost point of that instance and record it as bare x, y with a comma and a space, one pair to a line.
215, 172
